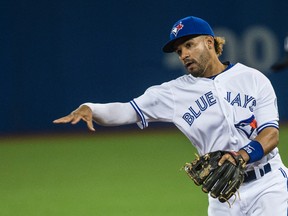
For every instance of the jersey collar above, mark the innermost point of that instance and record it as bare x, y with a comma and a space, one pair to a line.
229, 65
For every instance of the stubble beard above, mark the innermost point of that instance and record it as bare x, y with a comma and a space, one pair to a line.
199, 68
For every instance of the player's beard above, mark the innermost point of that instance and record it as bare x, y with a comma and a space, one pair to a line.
198, 68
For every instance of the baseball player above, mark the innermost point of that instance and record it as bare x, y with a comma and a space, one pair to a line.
218, 106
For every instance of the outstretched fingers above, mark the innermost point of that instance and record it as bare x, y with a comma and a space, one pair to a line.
90, 125
82, 113
85, 117
76, 118
65, 119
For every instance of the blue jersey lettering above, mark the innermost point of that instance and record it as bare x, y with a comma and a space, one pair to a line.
200, 106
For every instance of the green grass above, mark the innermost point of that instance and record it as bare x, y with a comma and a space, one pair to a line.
101, 174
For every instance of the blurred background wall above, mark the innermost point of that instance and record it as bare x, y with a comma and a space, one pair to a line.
58, 54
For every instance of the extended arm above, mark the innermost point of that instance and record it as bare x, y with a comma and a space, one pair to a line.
110, 114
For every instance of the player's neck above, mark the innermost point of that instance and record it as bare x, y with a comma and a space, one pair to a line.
215, 68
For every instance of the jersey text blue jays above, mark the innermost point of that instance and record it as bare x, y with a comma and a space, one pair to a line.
200, 105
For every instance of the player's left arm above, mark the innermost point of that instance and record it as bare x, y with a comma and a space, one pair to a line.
267, 117
264, 143
268, 138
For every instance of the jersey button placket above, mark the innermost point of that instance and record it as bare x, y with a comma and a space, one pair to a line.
223, 106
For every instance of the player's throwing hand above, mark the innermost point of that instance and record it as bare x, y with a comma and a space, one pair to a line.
82, 113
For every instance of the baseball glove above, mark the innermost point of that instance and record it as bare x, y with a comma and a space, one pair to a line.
221, 181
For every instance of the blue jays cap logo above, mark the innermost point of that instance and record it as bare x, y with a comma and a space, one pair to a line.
193, 26
177, 28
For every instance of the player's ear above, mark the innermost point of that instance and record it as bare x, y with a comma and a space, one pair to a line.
209, 41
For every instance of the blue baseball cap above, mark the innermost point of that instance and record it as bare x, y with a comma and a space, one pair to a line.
185, 27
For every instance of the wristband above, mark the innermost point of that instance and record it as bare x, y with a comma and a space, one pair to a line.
255, 151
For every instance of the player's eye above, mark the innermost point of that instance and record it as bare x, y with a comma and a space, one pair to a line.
179, 52
188, 45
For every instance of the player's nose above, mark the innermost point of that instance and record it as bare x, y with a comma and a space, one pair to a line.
184, 54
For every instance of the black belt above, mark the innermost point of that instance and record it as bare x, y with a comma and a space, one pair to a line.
251, 175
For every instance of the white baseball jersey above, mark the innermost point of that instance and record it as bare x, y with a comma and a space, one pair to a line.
223, 113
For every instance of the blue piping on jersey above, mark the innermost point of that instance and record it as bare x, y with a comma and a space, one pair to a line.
285, 176
269, 124
140, 114
283, 172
